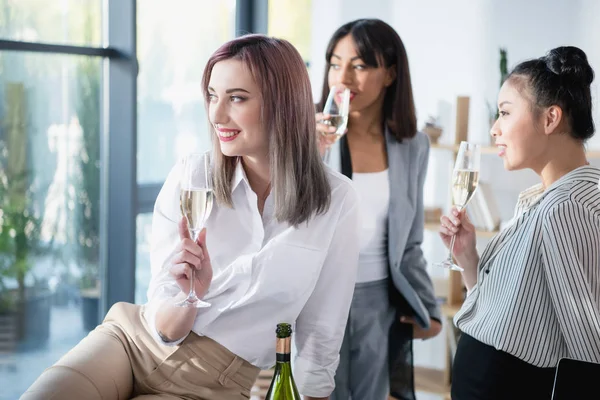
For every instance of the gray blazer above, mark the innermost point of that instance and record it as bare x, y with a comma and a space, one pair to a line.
407, 161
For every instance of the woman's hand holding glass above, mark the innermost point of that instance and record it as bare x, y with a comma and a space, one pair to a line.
190, 255
325, 133
333, 121
465, 179
458, 225
196, 201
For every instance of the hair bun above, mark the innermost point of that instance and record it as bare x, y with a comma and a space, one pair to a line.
570, 62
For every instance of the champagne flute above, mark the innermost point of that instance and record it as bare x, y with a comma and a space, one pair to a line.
465, 178
196, 201
338, 108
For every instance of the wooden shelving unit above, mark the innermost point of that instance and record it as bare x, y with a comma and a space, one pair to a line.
433, 380
430, 226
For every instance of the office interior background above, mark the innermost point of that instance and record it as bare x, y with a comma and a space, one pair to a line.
98, 98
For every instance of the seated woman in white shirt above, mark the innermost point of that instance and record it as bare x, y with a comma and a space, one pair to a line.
281, 245
534, 294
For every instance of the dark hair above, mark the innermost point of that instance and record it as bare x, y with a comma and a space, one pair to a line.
378, 42
562, 77
299, 180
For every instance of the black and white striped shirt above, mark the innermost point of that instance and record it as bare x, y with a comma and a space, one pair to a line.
537, 295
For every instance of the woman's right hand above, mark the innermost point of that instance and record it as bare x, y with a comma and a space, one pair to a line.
325, 138
458, 223
190, 255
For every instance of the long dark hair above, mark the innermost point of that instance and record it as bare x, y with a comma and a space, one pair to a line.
378, 42
299, 180
562, 77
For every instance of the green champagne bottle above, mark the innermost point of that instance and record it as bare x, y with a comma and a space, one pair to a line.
283, 386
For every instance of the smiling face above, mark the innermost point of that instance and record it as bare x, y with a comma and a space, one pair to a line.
367, 84
519, 131
235, 110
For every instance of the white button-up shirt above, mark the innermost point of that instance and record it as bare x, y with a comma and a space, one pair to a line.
267, 272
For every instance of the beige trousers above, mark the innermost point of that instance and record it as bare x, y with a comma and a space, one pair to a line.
121, 360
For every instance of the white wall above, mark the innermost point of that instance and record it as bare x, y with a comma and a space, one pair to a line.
453, 49
588, 37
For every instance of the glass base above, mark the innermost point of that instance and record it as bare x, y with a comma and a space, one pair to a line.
448, 265
191, 302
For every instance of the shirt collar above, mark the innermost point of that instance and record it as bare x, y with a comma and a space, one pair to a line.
535, 193
239, 176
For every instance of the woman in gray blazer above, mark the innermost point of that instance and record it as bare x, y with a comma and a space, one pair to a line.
386, 158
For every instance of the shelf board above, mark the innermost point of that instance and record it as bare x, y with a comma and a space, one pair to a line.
431, 226
494, 149
593, 153
431, 380
450, 310
444, 146
454, 147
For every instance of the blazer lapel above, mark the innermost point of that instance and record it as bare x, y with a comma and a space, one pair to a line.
398, 155
345, 158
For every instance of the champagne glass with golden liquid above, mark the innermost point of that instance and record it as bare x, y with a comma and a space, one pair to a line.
337, 106
196, 200
465, 179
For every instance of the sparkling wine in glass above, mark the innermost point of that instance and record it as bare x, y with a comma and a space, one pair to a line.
196, 200
338, 108
465, 179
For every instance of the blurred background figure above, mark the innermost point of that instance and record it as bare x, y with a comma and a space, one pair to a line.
386, 158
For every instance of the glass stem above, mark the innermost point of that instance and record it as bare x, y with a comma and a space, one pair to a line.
192, 294
451, 249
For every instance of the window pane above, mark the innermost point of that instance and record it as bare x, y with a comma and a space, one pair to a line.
74, 22
175, 40
291, 20
142, 260
49, 214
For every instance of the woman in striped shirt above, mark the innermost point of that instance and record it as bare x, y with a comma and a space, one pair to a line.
534, 294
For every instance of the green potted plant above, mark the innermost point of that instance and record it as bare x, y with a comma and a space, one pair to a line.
493, 111
22, 295
87, 211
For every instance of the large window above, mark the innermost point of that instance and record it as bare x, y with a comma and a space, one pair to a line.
49, 211
72, 22
55, 209
80, 167
142, 271
175, 40
291, 20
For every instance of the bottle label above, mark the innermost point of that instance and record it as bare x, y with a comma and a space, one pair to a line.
283, 357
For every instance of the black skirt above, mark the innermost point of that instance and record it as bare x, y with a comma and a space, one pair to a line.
480, 372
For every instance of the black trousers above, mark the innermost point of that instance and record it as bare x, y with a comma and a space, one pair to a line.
480, 372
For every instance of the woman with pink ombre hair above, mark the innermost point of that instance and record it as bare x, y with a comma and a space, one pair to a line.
280, 245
